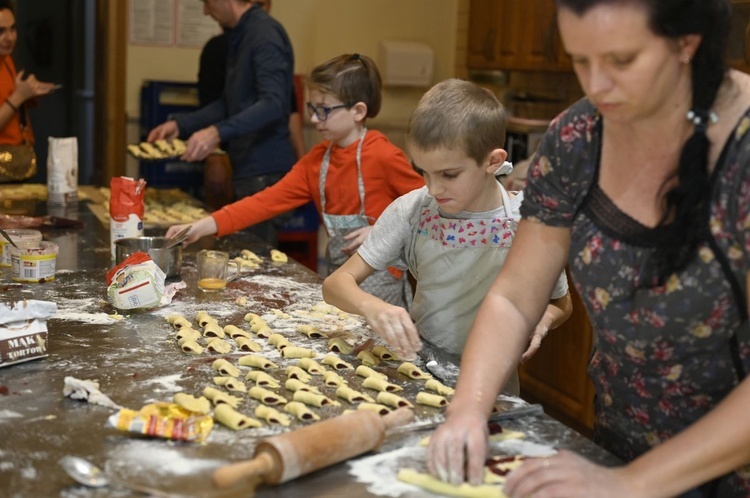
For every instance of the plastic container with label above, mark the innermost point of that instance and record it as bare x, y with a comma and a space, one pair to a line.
34, 263
19, 236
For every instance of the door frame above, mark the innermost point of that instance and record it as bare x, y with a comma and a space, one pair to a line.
109, 101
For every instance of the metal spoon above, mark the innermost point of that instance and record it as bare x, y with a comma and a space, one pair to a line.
7, 237
90, 475
178, 238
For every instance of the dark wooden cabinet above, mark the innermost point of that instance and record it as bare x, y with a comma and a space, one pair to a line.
739, 36
515, 34
556, 376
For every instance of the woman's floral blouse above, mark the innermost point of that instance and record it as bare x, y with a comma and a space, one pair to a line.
661, 355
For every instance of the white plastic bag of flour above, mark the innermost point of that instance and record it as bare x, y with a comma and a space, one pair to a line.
62, 170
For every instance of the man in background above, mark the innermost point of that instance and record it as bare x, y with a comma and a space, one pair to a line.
251, 116
217, 176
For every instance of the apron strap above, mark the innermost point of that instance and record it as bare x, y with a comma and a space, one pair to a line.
360, 181
506, 201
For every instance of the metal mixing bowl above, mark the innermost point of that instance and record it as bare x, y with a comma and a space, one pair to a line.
169, 260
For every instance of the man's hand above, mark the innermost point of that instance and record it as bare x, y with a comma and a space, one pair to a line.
201, 144
165, 131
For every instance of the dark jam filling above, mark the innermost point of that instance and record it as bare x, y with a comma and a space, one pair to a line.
495, 464
494, 428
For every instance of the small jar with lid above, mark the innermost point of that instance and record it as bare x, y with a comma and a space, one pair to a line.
19, 236
34, 263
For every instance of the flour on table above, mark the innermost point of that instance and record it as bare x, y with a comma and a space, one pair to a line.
75, 316
379, 471
527, 448
85, 309
29, 473
166, 383
162, 460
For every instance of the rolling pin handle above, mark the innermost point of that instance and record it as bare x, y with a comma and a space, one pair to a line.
398, 417
229, 475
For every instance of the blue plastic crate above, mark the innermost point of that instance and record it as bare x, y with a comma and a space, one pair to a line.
174, 174
160, 101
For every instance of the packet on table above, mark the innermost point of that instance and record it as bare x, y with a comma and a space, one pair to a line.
164, 420
137, 282
126, 209
23, 330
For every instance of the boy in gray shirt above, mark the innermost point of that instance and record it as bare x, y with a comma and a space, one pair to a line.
452, 235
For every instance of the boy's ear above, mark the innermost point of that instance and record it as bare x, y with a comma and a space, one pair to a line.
360, 111
496, 159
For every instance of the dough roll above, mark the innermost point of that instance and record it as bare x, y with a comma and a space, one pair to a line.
380, 385
368, 359
233, 419
219, 346
393, 400
301, 411
352, 396
265, 396
193, 404
230, 383
430, 399
262, 379
182, 323
332, 379
364, 371
234, 331
336, 362
191, 347
220, 397
313, 399
225, 368
247, 344
272, 415
298, 385
412, 371
295, 372
311, 332
439, 387
297, 352
213, 330
256, 361
311, 366
278, 256
279, 341
338, 345
374, 407
383, 353
187, 333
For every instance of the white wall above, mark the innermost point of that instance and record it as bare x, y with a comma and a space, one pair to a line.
319, 30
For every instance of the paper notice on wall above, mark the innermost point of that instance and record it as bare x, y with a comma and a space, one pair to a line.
194, 28
152, 22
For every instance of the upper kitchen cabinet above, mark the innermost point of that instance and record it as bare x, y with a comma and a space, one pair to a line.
739, 36
515, 34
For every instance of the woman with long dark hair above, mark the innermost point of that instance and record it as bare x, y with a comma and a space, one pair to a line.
643, 189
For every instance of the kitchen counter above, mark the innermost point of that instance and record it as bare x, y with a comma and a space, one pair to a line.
136, 361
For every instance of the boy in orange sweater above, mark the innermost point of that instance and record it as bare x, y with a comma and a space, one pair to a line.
352, 175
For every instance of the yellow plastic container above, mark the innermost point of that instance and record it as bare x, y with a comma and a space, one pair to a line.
34, 263
19, 236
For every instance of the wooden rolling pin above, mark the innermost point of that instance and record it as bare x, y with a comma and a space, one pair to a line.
285, 457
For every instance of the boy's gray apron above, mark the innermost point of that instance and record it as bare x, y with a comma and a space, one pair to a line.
458, 261
381, 283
